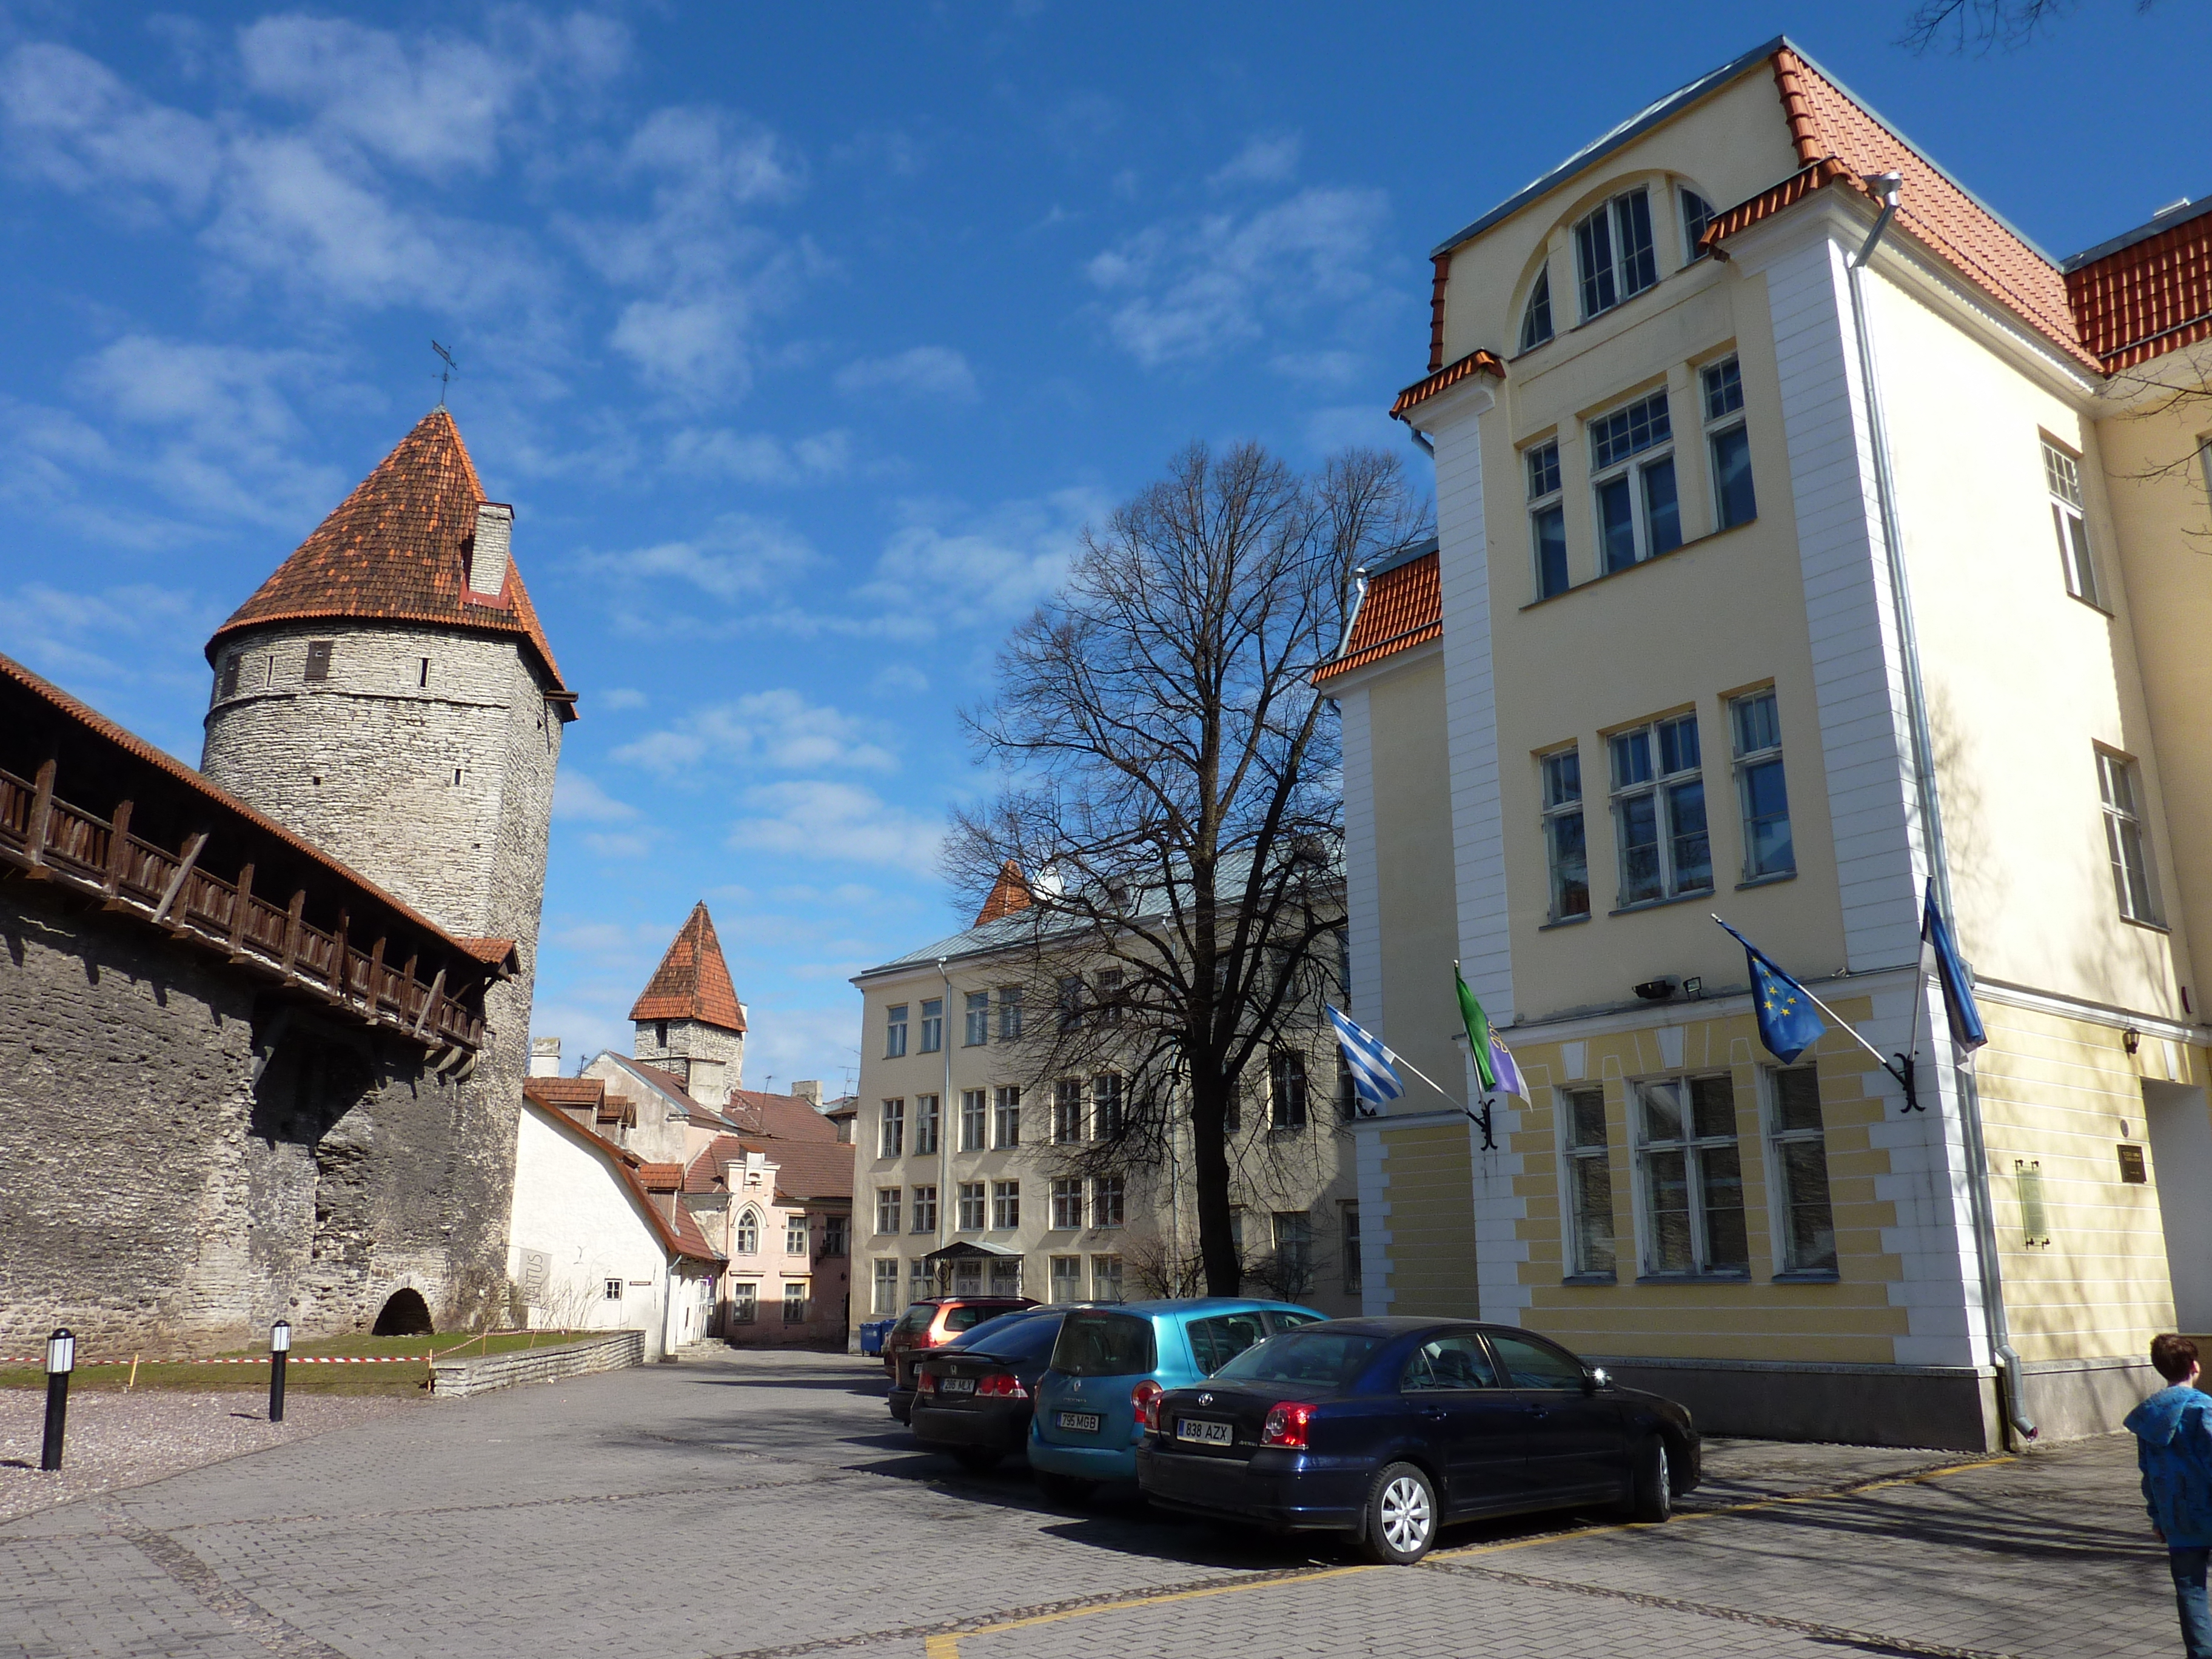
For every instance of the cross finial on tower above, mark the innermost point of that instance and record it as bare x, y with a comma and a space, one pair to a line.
446, 373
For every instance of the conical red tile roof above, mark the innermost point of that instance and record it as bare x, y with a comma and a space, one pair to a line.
693, 981
1009, 894
396, 549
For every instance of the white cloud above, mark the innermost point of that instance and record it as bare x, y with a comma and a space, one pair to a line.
927, 372
1190, 289
619, 697
1264, 161
739, 555
72, 122
786, 1042
133, 633
986, 571
577, 799
761, 458
898, 679
623, 845
1347, 425
841, 822
774, 728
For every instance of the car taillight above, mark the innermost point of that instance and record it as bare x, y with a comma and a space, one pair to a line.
1145, 1397
1003, 1386
926, 1383
1286, 1425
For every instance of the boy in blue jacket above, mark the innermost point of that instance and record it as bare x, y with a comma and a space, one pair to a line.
2174, 1448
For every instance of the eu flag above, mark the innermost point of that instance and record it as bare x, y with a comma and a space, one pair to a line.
1789, 1021
1966, 1032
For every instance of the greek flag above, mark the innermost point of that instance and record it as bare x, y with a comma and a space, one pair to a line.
1374, 1067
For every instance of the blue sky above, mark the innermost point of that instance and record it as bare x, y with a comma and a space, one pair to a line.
805, 340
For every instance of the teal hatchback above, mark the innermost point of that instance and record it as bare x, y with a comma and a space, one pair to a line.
1109, 1367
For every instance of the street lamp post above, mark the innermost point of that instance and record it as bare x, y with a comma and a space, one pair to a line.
280, 1346
61, 1360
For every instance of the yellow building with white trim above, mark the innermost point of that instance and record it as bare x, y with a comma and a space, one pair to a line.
1777, 584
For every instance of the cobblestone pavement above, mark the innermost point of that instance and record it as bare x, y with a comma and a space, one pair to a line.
757, 1506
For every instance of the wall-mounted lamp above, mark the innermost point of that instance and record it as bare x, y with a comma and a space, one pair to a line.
2132, 1038
1655, 990
1694, 987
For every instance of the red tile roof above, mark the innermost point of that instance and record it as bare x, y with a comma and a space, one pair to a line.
2148, 297
564, 1091
808, 1171
661, 1177
1421, 390
693, 981
782, 1117
396, 549
1009, 894
1404, 608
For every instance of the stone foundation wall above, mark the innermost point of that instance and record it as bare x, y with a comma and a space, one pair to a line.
457, 1379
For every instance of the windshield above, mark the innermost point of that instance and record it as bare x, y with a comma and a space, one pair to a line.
1011, 1336
916, 1317
1103, 1345
1328, 1358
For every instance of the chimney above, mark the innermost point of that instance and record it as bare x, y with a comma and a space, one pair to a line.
495, 534
810, 1091
545, 1057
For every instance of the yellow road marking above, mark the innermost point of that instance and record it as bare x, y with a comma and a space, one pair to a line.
946, 1645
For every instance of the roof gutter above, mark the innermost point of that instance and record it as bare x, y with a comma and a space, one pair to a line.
1886, 188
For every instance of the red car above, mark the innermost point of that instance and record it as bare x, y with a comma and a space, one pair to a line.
930, 1323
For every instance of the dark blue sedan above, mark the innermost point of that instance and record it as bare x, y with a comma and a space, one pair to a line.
1387, 1429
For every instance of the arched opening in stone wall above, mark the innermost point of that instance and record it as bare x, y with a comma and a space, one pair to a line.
405, 1314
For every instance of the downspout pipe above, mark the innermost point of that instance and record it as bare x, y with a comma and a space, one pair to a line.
1888, 187
944, 1110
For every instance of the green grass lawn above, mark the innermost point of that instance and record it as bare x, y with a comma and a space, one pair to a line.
400, 1378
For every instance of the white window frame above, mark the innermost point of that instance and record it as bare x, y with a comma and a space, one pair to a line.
1540, 467
1665, 790
885, 1298
611, 1289
1748, 737
1559, 792
1781, 1183
1720, 402
1109, 1102
1067, 1113
932, 1024
1695, 1150
1575, 1154
1110, 1201
918, 1280
1536, 330
1290, 1093
745, 1301
1106, 1278
1348, 1232
796, 1308
1010, 1013
1066, 1276
1601, 289
923, 1205
1694, 221
974, 1121
1292, 1231
928, 1125
2127, 838
836, 1236
1066, 1214
894, 1031
890, 1129
977, 1030
744, 1239
2069, 523
1005, 1206
1636, 467
1006, 1116
973, 1198
888, 1205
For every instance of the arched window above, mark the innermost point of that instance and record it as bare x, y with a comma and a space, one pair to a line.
1536, 315
749, 1225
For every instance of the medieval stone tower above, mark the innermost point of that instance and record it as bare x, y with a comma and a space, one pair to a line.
688, 1020
388, 694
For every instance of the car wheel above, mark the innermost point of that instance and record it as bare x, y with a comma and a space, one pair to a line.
1401, 1517
1066, 1488
1652, 1499
977, 1460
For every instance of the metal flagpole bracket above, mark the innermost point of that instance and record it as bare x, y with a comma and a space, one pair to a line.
1482, 1119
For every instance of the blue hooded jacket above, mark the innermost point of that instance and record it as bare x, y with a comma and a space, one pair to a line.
2173, 1449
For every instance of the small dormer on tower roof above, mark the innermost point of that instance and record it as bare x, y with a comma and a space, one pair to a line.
688, 1019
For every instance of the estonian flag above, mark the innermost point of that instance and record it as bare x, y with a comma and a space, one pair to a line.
1789, 1021
1374, 1067
1494, 1067
1966, 1032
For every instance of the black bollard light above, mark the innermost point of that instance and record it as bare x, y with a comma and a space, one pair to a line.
280, 1345
61, 1360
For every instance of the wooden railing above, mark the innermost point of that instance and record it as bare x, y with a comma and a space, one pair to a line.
51, 839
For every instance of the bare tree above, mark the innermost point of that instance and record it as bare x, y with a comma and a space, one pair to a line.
1959, 25
1170, 788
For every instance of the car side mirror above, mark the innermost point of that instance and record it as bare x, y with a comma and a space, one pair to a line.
1596, 1377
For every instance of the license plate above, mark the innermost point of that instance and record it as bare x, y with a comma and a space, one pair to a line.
1082, 1422
1205, 1434
956, 1385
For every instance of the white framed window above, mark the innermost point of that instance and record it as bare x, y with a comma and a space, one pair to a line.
1697, 214
894, 1031
744, 1301
1293, 1230
1105, 1278
1106, 1106
834, 1230
1286, 1089
932, 1024
978, 1028
1638, 515
1006, 1278
975, 1121
886, 1280
967, 1279
1010, 1013
891, 1130
1799, 1146
1762, 790
795, 1301
1006, 1115
2061, 472
1067, 1278
1547, 518
612, 1290
1070, 1002
1536, 314
795, 1239
919, 1279
1591, 1252
925, 1124
1109, 996
1693, 1170
1107, 1204
747, 1239
2128, 847
1613, 256
1659, 812
1728, 444
1005, 1206
1067, 1111
1067, 1204
971, 1206
1348, 1231
924, 1209
887, 1209
1565, 844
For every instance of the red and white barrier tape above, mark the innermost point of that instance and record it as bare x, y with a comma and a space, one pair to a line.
296, 1359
